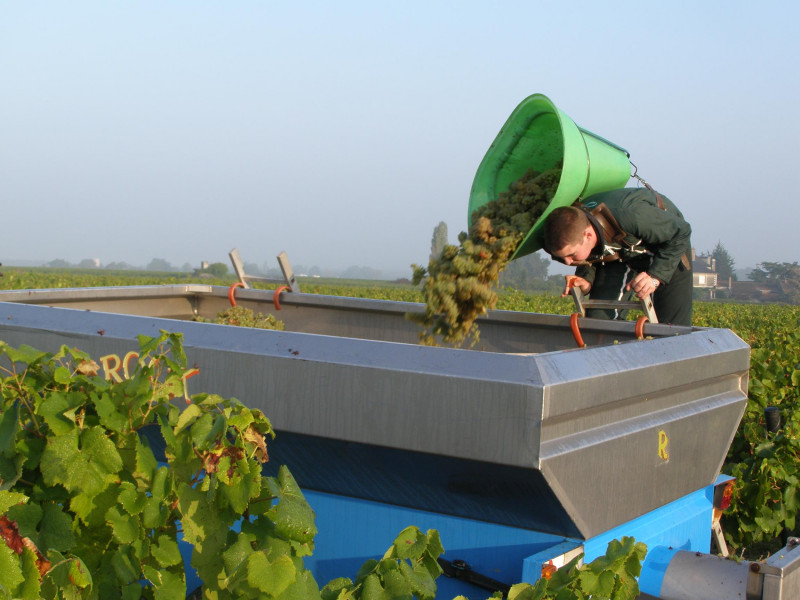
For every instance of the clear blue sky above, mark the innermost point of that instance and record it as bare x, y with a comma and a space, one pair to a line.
342, 133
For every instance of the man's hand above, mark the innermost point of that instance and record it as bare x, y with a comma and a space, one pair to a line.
578, 282
643, 285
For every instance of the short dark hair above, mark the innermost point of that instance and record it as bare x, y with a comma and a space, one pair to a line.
563, 227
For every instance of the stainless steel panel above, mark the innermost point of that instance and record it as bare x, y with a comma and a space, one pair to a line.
553, 431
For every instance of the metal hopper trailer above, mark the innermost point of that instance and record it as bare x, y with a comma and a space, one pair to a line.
522, 451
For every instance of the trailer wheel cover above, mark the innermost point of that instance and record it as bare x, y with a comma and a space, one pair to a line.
232, 291
276, 297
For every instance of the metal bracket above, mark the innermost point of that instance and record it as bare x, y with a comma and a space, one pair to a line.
581, 303
459, 569
283, 262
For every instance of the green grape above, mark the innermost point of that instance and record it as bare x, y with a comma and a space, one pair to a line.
457, 286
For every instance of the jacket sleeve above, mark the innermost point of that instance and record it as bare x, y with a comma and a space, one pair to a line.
664, 232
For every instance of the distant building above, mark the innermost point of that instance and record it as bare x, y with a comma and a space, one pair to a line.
704, 273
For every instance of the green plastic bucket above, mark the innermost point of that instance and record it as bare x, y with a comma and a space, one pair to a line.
538, 135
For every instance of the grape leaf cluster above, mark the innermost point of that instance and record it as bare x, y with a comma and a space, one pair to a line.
458, 284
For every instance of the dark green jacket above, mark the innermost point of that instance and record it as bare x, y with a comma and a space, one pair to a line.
664, 234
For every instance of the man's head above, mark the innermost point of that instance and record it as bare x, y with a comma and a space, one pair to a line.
568, 235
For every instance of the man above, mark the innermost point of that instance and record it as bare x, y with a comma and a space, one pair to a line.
631, 239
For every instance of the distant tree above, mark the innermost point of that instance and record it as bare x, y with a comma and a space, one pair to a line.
785, 275
59, 264
526, 273
187, 267
217, 269
88, 263
159, 264
725, 263
119, 266
251, 268
439, 240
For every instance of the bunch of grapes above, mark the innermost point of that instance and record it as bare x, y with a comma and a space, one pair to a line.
245, 317
457, 285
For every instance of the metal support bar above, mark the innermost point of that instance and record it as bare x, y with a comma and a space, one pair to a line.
719, 539
283, 263
645, 305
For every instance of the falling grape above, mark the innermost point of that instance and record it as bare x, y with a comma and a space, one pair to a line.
457, 285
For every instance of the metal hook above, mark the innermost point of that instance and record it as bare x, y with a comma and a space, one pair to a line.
635, 175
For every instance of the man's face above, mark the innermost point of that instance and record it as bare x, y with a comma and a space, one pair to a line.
575, 253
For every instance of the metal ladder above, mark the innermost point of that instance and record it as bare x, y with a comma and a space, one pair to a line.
283, 262
582, 303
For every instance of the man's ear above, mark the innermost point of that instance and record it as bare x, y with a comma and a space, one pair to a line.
589, 235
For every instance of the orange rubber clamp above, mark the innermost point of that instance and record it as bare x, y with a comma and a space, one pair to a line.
639, 329
576, 333
232, 291
276, 297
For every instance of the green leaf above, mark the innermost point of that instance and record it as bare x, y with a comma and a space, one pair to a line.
126, 569
605, 585
340, 588
155, 512
31, 588
132, 591
146, 463
187, 417
165, 551
589, 581
56, 528
109, 414
202, 526
242, 419
131, 499
9, 499
91, 508
10, 568
166, 585
237, 552
54, 409
411, 543
125, 527
62, 375
292, 515
270, 577
9, 426
25, 354
70, 576
89, 469
372, 588
420, 579
526, 591
11, 471
202, 431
